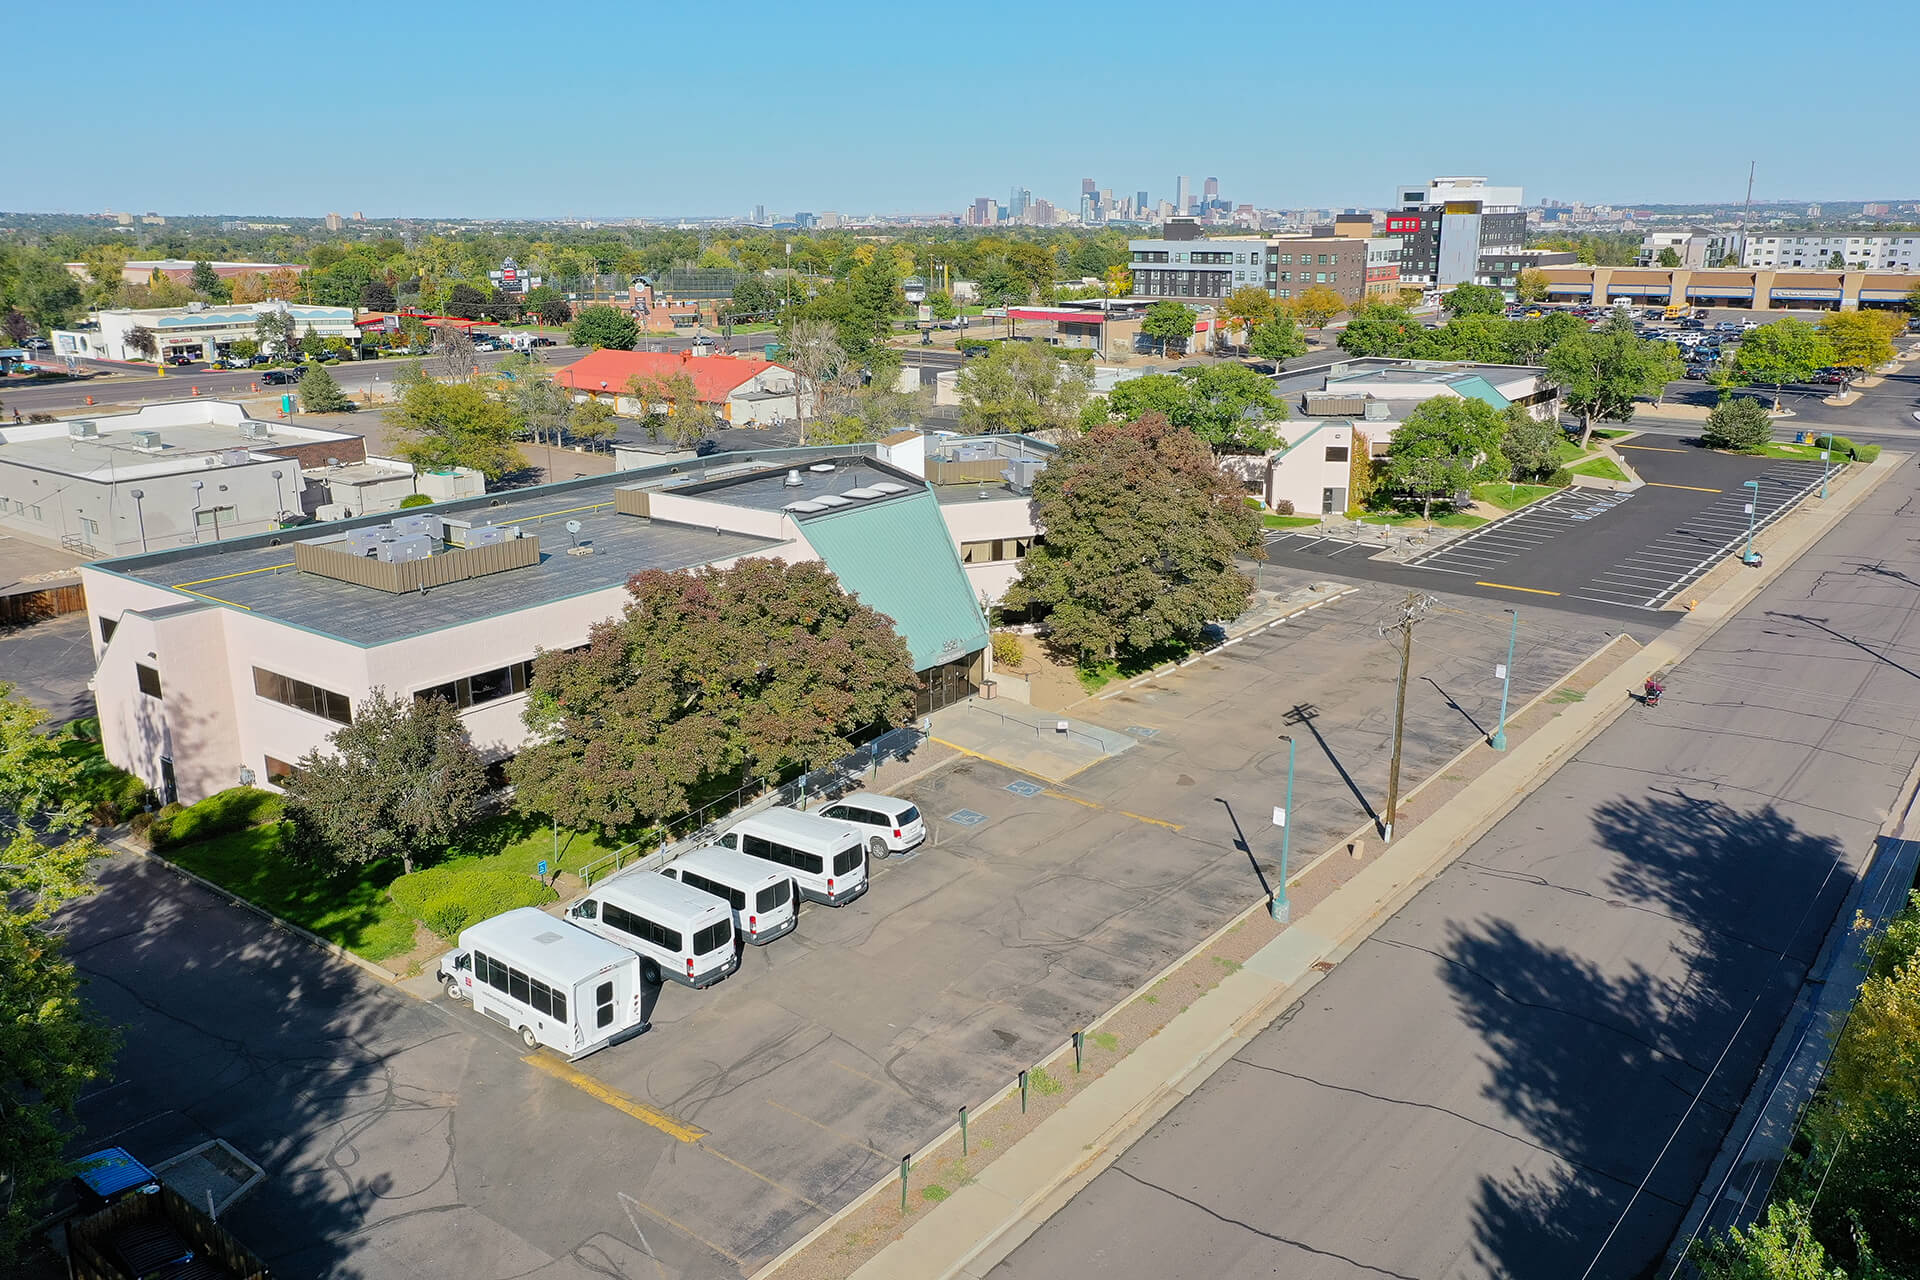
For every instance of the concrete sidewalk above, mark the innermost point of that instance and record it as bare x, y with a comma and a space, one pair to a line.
985, 1220
1046, 744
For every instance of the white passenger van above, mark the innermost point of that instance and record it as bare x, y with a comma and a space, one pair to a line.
556, 985
826, 860
678, 932
761, 895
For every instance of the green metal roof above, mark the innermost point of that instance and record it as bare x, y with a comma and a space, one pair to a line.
1475, 387
898, 558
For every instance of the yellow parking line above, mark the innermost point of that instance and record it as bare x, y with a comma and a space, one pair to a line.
977, 755
1535, 591
830, 1130
1648, 448
1061, 795
685, 1230
1697, 488
864, 1076
243, 573
1171, 826
619, 1101
755, 1173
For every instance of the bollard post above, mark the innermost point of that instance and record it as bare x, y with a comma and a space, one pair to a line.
963, 1132
1023, 1092
906, 1166
1079, 1049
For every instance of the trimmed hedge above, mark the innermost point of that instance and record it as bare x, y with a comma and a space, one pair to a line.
449, 898
234, 809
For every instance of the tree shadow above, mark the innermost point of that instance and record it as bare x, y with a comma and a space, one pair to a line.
1626, 1072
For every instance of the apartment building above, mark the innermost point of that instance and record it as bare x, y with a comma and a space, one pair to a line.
1450, 226
1817, 252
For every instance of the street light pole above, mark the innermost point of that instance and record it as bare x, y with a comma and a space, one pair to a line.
1751, 506
1826, 456
1499, 739
1280, 908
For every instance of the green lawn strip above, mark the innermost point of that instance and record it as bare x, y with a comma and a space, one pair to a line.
1599, 469
1614, 434
1510, 497
1095, 676
1288, 522
1799, 452
1568, 450
1403, 519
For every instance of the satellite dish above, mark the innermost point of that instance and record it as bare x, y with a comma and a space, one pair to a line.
573, 526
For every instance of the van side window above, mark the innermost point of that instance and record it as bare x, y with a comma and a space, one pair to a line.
734, 898
731, 840
642, 928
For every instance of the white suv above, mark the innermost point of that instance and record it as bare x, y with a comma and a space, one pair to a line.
890, 824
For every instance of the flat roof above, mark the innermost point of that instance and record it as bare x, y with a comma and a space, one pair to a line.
768, 489
113, 456
256, 573
562, 949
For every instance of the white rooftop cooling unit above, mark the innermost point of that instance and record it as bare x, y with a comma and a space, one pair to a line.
256, 430
83, 429
145, 439
408, 526
367, 539
234, 457
402, 550
485, 535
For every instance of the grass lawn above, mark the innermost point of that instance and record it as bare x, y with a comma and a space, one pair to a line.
1600, 469
1095, 676
1567, 450
1510, 497
1401, 519
1612, 434
1801, 452
1272, 521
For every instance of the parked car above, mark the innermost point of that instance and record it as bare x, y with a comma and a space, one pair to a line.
890, 824
540, 342
37, 344
1699, 372
282, 377
1828, 378
1728, 326
180, 362
238, 362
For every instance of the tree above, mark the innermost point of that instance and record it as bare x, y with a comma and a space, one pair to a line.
1474, 300
1531, 285
1019, 387
540, 407
466, 302
549, 304
1838, 262
1913, 300
1782, 352
1528, 341
377, 295
870, 413
713, 674
51, 1046
1781, 1248
319, 393
1531, 445
273, 329
1739, 423
1277, 340
1001, 286
207, 281
39, 286
670, 407
16, 326
1247, 307
1143, 529
1378, 330
451, 356
1317, 305
1169, 321
399, 782
942, 304
283, 285
1227, 405
593, 421
312, 346
1669, 258
599, 326
455, 425
1601, 371
245, 348
811, 348
1861, 339
141, 342
1444, 446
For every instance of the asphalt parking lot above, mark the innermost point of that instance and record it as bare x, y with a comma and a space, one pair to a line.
408, 1136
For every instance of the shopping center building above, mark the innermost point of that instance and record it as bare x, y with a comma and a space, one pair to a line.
1758, 288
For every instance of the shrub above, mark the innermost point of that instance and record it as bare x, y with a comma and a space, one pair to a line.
1284, 507
140, 823
449, 897
1866, 452
1007, 650
415, 500
1739, 423
234, 809
1560, 478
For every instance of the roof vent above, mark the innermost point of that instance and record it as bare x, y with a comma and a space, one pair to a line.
1375, 411
149, 440
83, 429
863, 493
819, 468
793, 479
887, 486
833, 500
803, 508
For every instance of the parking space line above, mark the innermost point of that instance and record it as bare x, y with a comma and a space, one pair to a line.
1696, 488
1509, 587
675, 1129
1094, 804
979, 755
687, 1231
829, 1129
869, 1079
755, 1173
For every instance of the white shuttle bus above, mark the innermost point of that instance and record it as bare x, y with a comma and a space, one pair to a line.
827, 860
554, 984
678, 932
760, 894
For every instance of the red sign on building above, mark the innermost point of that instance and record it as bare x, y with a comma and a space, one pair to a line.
1402, 226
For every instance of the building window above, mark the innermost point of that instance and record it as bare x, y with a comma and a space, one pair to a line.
107, 627
280, 773
995, 550
209, 517
485, 686
302, 696
1336, 453
149, 679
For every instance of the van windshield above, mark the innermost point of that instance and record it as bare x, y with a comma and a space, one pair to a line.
713, 937
773, 896
846, 860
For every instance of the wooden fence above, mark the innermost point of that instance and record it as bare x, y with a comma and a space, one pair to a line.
36, 604
435, 571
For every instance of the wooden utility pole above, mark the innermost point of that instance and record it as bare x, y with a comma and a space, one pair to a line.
1411, 612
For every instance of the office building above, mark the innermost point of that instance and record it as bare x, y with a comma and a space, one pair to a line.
1182, 196
1185, 263
1018, 201
982, 212
222, 664
1140, 205
1450, 226
1853, 253
334, 222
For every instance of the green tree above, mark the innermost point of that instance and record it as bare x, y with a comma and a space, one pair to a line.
377, 295
549, 304
1738, 422
1445, 445
399, 782
51, 1046
593, 421
1001, 286
1531, 445
207, 281
1837, 262
706, 675
1229, 406
245, 348
1913, 300
1528, 341
1247, 307
1601, 371
319, 393
1020, 387
466, 302
1143, 530
1169, 321
1532, 285
1317, 305
1782, 352
141, 342
541, 408
1781, 1248
870, 413
599, 326
455, 425
39, 286
311, 344
1474, 300
1669, 258
942, 304
671, 407
1278, 339
1861, 339
1379, 331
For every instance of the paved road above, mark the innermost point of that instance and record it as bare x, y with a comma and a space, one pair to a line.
1483, 1087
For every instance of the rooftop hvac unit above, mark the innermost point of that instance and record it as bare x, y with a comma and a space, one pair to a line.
84, 429
486, 535
1021, 471
402, 550
256, 430
234, 457
409, 526
365, 540
332, 511
145, 439
1375, 411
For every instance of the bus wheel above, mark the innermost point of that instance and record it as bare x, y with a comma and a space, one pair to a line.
529, 1039
650, 972
877, 847
453, 990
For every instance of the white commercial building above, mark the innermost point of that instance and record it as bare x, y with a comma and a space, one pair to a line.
197, 331
1857, 253
169, 476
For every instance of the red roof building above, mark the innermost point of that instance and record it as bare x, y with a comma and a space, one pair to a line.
741, 390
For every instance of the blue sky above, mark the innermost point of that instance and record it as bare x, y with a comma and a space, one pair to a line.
594, 109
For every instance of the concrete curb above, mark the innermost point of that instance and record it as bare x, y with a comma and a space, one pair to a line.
984, 1220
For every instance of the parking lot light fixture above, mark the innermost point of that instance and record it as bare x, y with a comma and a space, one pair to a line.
1499, 739
1752, 505
1279, 907
1826, 456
